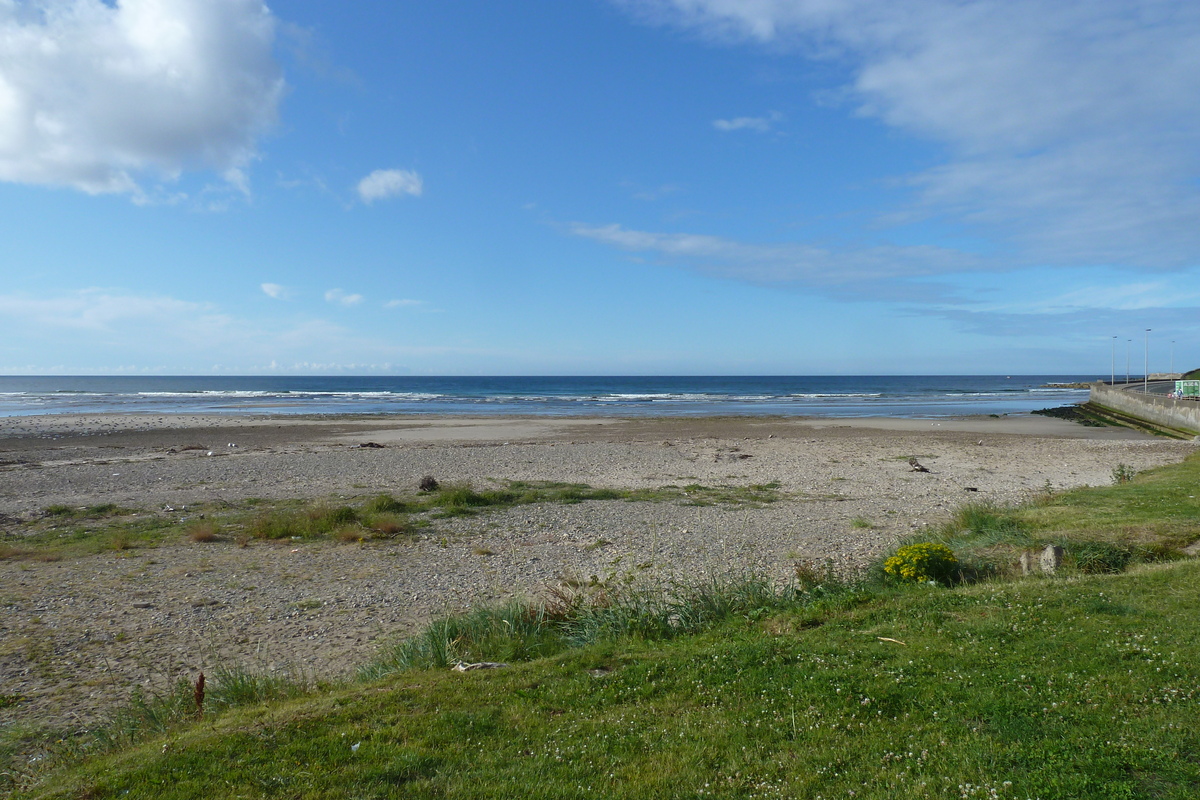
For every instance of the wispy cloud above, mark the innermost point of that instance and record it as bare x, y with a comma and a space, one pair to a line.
80, 330
889, 272
652, 193
104, 310
342, 298
274, 290
96, 96
1070, 128
403, 303
386, 183
758, 124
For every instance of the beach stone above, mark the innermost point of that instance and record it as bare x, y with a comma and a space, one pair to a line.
1026, 562
1051, 559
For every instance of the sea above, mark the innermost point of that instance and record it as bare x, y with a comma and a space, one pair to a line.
914, 396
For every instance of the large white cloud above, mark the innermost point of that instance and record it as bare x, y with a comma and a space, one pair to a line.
1071, 126
97, 96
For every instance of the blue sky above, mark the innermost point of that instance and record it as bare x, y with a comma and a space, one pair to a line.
598, 186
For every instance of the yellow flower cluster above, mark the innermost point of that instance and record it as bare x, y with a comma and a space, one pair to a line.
922, 562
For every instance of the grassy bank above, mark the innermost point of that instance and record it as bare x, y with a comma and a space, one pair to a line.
1080, 685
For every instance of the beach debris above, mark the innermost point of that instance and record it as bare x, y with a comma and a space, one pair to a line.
371, 445
231, 445
428, 484
916, 465
893, 641
1051, 559
971, 488
354, 747
462, 666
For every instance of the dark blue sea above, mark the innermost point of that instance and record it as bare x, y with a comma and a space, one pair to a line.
825, 396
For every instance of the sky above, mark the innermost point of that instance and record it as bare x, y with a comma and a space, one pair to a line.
599, 187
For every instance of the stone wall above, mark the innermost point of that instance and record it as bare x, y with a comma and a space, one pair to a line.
1184, 414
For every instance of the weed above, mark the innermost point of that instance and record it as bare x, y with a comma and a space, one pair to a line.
86, 512
1122, 473
8, 551
386, 504
277, 525
390, 525
861, 522
205, 531
924, 562
350, 534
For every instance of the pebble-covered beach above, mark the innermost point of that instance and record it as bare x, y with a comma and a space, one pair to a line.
77, 634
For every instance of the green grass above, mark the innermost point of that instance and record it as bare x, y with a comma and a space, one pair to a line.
1086, 685
1144, 517
1051, 689
64, 531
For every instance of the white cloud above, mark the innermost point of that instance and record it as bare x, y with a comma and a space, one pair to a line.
758, 124
1070, 127
77, 331
94, 96
339, 297
403, 303
384, 183
274, 290
101, 310
871, 272
1123, 297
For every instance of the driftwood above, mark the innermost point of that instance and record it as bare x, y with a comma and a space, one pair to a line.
464, 667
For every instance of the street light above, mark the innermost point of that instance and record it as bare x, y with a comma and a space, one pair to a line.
1172, 358
1112, 378
1128, 344
1146, 373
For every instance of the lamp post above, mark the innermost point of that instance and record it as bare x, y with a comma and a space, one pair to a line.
1128, 344
1172, 358
1146, 373
1112, 378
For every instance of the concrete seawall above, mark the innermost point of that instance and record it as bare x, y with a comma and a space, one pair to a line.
1182, 414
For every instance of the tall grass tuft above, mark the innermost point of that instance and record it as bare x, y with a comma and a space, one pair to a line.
232, 687
386, 504
146, 714
521, 631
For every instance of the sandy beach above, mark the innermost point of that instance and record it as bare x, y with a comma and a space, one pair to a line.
77, 634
